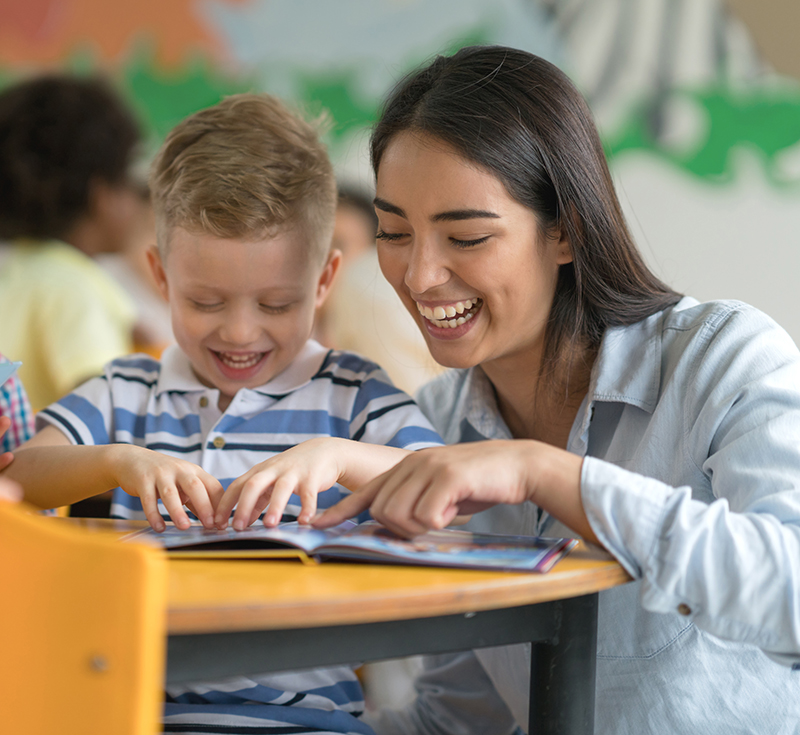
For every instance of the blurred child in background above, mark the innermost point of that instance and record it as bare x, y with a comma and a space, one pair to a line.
66, 145
152, 331
363, 313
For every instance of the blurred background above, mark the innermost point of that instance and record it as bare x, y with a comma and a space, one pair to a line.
697, 100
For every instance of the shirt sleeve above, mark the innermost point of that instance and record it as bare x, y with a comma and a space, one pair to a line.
383, 414
454, 697
84, 416
731, 565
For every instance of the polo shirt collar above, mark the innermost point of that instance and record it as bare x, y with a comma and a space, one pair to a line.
177, 375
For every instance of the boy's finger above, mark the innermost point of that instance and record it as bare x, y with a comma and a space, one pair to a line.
196, 493
226, 504
5, 424
252, 490
308, 500
172, 502
213, 488
261, 503
282, 490
150, 507
346, 508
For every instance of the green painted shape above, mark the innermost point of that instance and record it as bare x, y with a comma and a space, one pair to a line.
766, 120
336, 93
164, 98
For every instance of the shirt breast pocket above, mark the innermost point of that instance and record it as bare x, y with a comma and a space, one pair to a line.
625, 630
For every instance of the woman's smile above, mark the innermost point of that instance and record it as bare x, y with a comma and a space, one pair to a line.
452, 315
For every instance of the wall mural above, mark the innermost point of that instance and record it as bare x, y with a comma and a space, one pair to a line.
703, 138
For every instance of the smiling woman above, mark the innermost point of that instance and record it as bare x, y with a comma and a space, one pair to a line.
665, 430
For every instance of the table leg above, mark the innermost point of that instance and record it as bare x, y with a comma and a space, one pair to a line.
563, 672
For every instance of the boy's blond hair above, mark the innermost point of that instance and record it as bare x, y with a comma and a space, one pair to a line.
244, 169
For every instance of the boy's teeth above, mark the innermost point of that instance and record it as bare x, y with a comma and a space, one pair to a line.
444, 316
240, 361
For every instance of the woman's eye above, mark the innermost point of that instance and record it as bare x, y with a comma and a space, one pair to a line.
468, 243
388, 236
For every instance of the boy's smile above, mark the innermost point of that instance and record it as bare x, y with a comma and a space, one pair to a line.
242, 311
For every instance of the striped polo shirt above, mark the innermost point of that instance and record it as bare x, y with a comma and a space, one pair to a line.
164, 407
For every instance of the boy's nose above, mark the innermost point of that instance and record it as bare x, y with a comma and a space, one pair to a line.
240, 329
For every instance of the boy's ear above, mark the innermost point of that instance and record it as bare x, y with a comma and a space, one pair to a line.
157, 269
327, 276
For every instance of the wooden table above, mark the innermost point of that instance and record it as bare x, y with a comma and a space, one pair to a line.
228, 618
246, 617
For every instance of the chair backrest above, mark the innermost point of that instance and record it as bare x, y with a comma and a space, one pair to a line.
82, 629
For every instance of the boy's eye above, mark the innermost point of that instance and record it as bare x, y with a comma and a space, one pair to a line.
273, 309
206, 305
388, 236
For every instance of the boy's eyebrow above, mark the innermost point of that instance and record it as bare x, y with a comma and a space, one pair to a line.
453, 215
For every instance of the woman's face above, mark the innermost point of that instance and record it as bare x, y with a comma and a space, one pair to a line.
465, 258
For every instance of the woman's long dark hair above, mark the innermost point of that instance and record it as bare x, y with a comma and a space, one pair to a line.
520, 118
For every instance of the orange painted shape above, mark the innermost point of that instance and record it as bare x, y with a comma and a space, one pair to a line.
48, 32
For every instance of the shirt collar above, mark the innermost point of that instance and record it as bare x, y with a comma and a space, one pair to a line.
480, 406
177, 375
628, 365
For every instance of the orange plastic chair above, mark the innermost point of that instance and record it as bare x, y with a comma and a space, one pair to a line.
82, 629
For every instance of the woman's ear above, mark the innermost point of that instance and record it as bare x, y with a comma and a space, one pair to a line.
328, 276
563, 251
157, 269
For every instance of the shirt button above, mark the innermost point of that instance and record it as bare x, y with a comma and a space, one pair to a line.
219, 442
203, 401
684, 609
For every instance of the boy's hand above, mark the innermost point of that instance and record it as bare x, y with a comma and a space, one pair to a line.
149, 476
304, 470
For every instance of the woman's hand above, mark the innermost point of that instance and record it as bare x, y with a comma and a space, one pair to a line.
150, 475
429, 488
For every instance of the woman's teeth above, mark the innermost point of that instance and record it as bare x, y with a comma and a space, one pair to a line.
452, 315
240, 362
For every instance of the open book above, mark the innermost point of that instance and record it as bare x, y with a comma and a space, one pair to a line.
365, 542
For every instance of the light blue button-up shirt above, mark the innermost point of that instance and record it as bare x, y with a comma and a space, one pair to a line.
691, 433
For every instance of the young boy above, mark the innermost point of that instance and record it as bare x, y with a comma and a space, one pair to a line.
244, 198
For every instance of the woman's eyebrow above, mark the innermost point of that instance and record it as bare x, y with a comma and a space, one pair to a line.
459, 214
449, 216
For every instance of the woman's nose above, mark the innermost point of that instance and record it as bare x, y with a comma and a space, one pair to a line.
426, 268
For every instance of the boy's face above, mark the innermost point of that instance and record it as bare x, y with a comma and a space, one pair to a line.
242, 311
